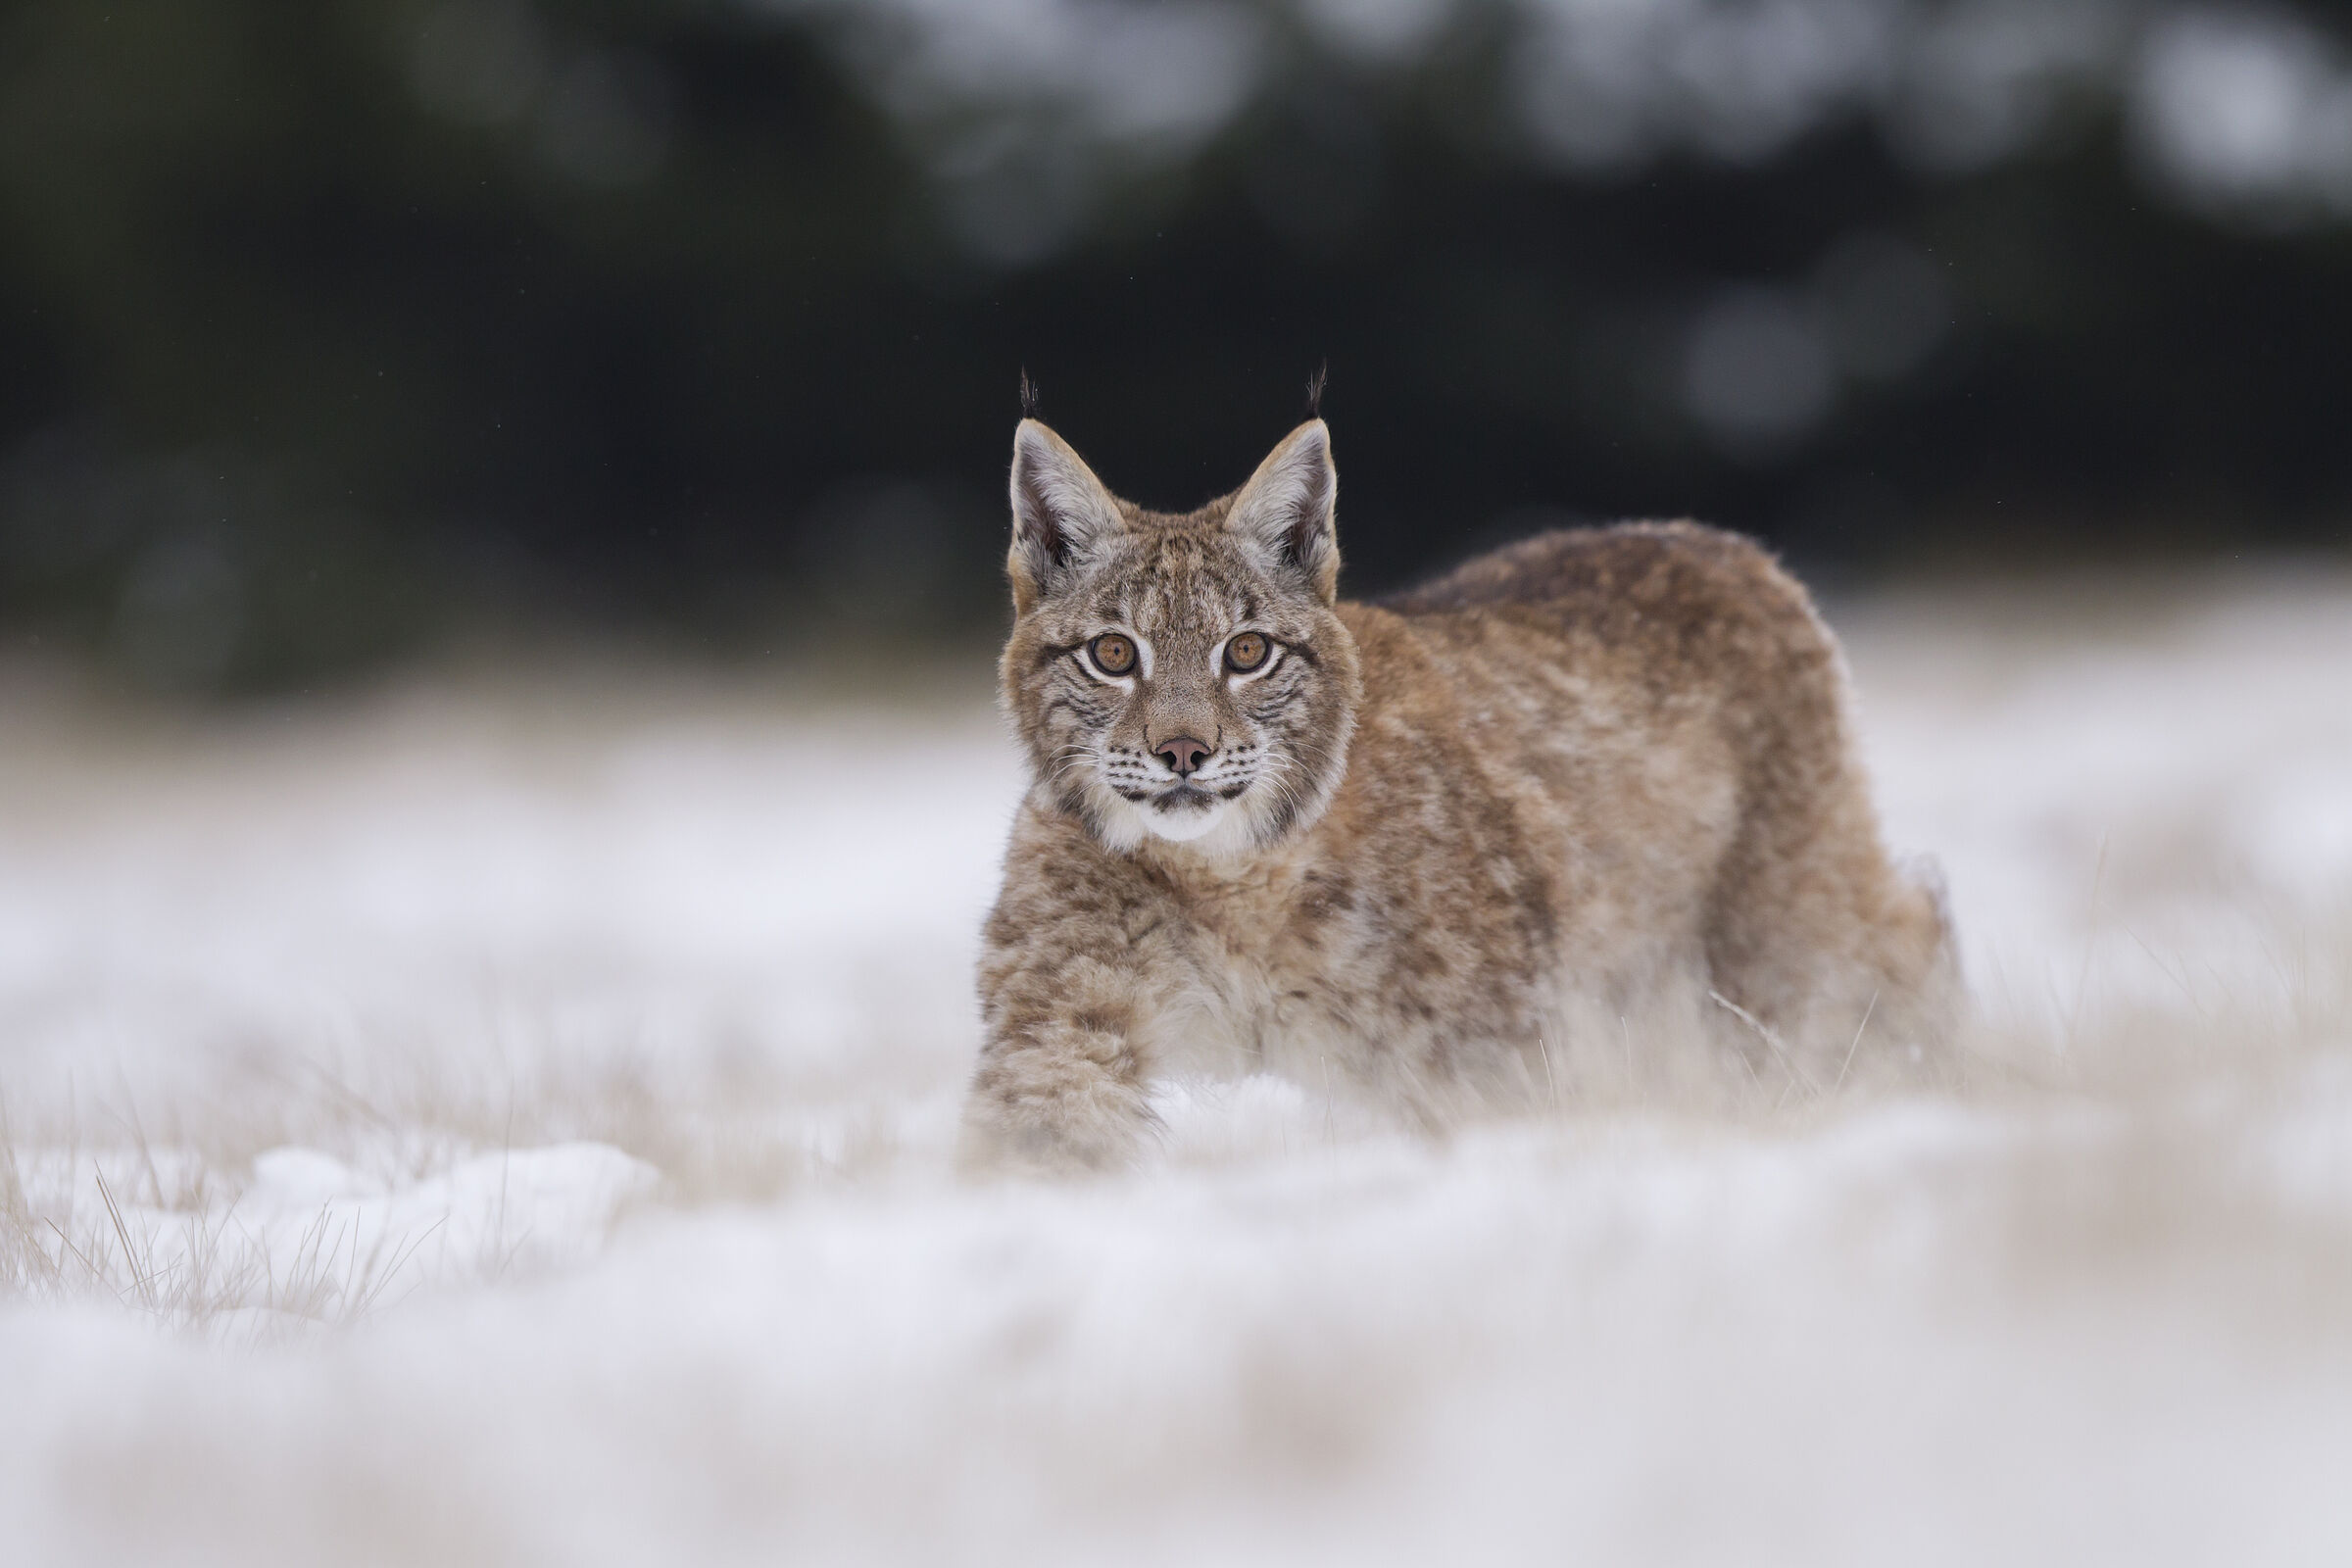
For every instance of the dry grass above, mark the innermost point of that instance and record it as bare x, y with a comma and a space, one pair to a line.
149, 1220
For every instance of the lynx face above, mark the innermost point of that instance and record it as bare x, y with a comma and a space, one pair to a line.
1180, 677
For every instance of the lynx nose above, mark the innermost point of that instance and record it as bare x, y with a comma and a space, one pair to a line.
1183, 754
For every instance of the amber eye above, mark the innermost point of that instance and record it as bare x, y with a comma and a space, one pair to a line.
1246, 652
1113, 654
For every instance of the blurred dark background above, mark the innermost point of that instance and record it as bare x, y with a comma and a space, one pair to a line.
331, 329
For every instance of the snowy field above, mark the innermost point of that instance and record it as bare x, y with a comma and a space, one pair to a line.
507, 1120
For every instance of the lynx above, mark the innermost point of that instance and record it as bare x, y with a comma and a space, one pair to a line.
1500, 837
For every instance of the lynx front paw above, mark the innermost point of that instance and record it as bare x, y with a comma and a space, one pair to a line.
1038, 1112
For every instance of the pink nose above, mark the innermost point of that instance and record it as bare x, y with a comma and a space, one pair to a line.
1183, 754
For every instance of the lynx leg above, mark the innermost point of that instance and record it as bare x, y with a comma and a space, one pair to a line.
1065, 1094
1066, 991
1816, 934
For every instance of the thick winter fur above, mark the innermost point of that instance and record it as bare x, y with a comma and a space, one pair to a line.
1525, 832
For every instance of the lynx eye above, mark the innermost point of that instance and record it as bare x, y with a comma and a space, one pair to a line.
1113, 654
1246, 652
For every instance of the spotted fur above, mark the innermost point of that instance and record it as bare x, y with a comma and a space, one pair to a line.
1513, 834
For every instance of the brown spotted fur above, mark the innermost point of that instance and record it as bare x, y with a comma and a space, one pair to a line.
1530, 830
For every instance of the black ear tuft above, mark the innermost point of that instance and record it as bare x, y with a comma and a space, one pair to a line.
1029, 397
1314, 390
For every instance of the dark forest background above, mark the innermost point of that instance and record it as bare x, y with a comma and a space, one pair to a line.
330, 328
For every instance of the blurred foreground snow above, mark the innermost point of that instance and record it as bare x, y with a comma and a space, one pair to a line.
509, 1122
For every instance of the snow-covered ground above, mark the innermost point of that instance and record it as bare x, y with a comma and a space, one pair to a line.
507, 1120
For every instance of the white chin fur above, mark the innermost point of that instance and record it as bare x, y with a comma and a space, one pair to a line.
1185, 826
1224, 831
1220, 830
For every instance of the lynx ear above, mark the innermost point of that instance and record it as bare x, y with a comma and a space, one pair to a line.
1060, 512
1287, 509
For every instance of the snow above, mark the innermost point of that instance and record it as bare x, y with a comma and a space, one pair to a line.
507, 1120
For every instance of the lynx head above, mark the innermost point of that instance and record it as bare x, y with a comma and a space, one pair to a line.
1180, 677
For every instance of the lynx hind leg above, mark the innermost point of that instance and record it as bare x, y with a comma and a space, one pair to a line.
1905, 970
1841, 966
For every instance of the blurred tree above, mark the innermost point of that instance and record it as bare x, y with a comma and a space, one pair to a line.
324, 325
